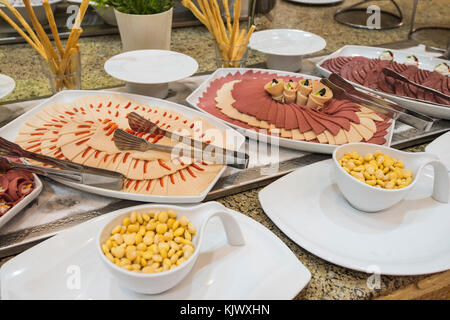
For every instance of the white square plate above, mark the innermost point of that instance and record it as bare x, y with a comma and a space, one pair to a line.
410, 238
264, 268
10, 132
194, 97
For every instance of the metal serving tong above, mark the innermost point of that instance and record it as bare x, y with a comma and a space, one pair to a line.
198, 149
391, 73
70, 171
344, 90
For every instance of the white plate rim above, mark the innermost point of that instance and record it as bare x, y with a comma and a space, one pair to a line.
432, 145
316, 2
325, 254
102, 220
126, 78
10, 85
192, 99
17, 123
252, 45
23, 203
433, 110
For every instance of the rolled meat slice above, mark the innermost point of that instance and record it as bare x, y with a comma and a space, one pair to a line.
290, 91
319, 95
6, 203
4, 184
275, 88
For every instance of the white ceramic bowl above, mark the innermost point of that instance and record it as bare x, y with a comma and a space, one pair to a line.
285, 47
38, 8
370, 199
153, 283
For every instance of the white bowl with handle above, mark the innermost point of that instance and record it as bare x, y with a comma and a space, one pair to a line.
371, 199
154, 283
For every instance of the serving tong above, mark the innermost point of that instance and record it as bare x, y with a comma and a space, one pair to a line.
391, 73
69, 171
344, 90
198, 149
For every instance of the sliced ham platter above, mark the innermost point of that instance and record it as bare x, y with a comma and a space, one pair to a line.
362, 66
295, 110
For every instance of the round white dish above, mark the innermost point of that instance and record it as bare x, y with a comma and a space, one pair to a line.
410, 238
7, 85
221, 272
151, 66
148, 72
441, 147
285, 47
38, 8
318, 2
108, 14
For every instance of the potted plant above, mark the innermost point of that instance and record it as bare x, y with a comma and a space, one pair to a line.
143, 24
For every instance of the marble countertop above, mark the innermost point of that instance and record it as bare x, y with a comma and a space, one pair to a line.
328, 281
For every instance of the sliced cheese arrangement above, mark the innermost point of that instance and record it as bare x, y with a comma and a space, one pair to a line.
291, 107
81, 131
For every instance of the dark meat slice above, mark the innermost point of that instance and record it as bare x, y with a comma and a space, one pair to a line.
303, 125
273, 112
263, 112
333, 124
280, 115
316, 126
290, 119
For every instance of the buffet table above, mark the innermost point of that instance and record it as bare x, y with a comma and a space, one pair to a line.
328, 280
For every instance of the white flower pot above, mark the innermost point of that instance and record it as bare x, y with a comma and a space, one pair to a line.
139, 32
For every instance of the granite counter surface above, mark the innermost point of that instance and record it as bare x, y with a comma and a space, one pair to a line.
328, 281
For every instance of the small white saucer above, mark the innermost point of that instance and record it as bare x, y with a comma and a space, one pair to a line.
285, 47
7, 85
318, 2
148, 72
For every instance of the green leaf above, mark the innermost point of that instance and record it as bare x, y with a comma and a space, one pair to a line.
137, 6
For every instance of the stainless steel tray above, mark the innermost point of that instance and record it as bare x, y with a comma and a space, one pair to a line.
60, 207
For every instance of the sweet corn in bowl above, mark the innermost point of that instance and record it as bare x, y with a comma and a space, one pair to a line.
373, 177
376, 169
150, 248
151, 242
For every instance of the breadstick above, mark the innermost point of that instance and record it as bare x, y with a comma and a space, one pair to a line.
72, 41
23, 22
23, 34
236, 14
219, 19
51, 54
227, 15
52, 23
249, 34
196, 12
75, 29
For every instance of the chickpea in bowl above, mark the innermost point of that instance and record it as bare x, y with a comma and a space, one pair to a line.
385, 177
151, 248
150, 242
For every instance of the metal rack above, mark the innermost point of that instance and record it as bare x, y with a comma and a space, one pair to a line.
356, 17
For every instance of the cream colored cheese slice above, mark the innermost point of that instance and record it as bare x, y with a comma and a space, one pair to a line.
340, 138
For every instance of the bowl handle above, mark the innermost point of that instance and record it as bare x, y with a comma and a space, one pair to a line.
232, 229
441, 180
